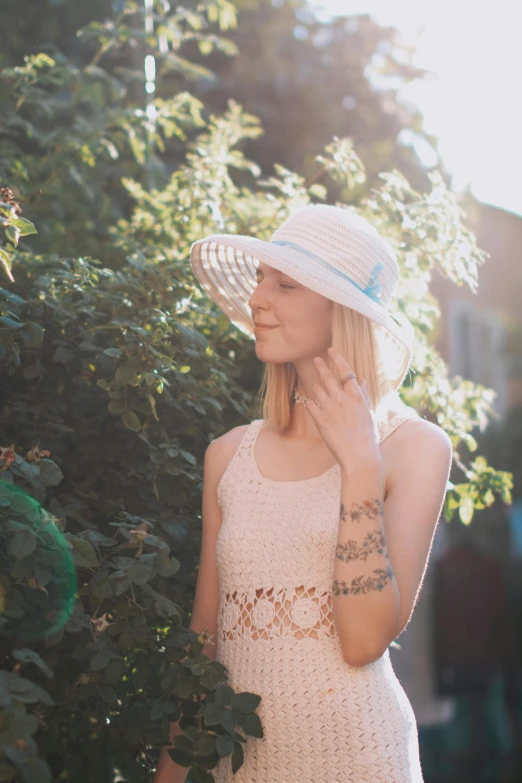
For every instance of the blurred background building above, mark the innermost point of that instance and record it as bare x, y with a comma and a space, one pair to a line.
472, 731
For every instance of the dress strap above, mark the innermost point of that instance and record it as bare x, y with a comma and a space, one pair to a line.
246, 447
241, 456
386, 428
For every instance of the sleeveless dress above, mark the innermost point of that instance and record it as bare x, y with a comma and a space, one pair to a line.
324, 721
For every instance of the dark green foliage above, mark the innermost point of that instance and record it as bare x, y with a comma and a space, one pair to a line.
113, 386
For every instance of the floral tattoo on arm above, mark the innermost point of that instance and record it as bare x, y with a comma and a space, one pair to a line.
364, 584
373, 508
374, 541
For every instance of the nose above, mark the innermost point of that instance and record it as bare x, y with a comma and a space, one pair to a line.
259, 299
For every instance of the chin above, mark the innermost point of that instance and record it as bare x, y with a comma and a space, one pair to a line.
264, 354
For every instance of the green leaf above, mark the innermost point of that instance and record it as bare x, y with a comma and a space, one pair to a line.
35, 770
184, 742
23, 504
32, 335
24, 226
164, 565
12, 234
139, 573
205, 746
21, 544
205, 46
24, 723
5, 260
224, 695
189, 457
212, 714
114, 672
63, 355
251, 724
223, 322
30, 656
238, 757
224, 745
183, 688
50, 473
227, 17
489, 498
117, 406
31, 372
14, 300
246, 702
126, 374
84, 553
228, 721
466, 510
9, 323
181, 757
130, 420
199, 775
165, 607
99, 661
14, 686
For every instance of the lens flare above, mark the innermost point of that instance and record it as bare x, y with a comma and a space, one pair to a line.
38, 581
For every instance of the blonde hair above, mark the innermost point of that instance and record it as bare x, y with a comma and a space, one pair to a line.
354, 336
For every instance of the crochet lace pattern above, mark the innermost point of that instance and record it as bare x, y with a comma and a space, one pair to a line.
324, 721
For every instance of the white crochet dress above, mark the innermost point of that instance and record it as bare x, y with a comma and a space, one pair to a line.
324, 721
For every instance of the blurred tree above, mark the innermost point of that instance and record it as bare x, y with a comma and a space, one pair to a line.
27, 27
309, 81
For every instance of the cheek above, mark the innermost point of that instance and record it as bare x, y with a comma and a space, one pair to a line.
311, 321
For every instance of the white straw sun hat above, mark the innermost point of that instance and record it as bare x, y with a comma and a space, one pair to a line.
331, 250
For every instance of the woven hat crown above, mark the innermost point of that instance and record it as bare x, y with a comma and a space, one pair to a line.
333, 251
344, 244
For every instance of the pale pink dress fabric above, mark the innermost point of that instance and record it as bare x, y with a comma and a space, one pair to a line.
324, 721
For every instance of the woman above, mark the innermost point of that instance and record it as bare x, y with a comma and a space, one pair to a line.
317, 524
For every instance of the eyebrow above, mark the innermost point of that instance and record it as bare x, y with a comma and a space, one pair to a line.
275, 271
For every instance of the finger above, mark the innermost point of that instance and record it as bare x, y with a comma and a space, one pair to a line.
330, 382
367, 395
343, 368
313, 409
321, 395
340, 363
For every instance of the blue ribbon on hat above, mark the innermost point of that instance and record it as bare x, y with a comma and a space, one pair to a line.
373, 289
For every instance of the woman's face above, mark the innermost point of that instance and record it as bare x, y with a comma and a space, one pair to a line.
301, 318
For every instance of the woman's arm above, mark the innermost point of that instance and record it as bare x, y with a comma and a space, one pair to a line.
383, 546
206, 599
167, 770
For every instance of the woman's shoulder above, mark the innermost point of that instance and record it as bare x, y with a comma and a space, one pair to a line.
221, 449
393, 414
409, 426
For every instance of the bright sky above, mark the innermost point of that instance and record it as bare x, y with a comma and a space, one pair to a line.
470, 103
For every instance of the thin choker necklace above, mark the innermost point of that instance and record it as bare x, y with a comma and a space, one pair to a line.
298, 397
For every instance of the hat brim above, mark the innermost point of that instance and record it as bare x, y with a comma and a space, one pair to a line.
225, 265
